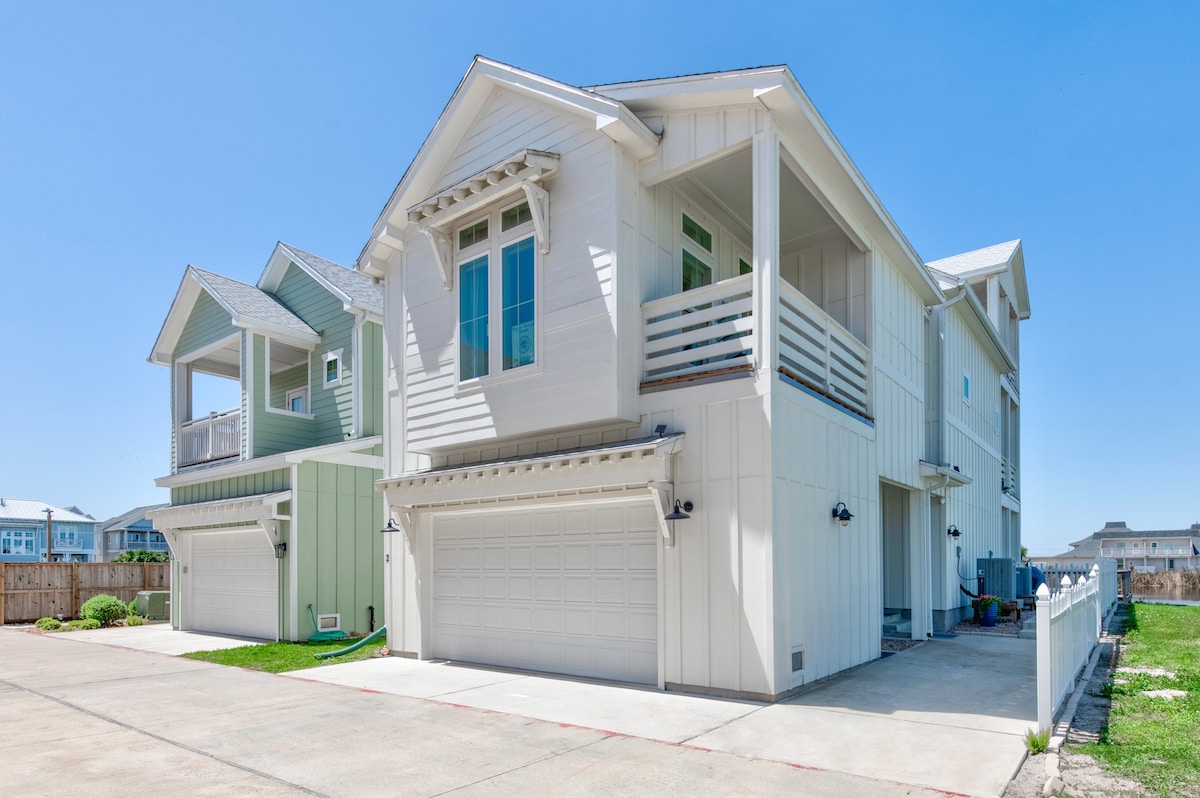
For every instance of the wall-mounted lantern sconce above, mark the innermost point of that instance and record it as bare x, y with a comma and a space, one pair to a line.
953, 531
280, 550
680, 513
391, 526
842, 514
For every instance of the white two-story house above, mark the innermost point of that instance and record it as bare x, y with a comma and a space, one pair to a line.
657, 390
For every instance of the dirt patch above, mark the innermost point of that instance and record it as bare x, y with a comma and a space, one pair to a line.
896, 644
1003, 628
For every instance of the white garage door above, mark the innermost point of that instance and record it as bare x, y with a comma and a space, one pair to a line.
234, 581
567, 590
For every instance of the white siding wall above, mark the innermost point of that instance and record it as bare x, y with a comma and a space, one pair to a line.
835, 275
691, 137
577, 383
899, 391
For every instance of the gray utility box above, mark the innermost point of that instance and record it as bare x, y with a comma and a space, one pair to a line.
154, 604
999, 576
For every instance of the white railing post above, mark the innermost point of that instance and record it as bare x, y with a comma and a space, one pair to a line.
1045, 690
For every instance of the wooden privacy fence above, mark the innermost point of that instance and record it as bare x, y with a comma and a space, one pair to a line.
32, 590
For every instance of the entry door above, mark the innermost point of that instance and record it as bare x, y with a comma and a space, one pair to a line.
561, 589
234, 584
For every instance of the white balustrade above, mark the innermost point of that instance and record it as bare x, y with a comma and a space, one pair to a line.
708, 329
817, 351
214, 437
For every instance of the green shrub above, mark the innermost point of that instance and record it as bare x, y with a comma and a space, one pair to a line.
1037, 742
84, 623
135, 620
48, 624
104, 609
133, 606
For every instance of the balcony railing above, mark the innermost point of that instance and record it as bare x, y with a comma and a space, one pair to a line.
817, 351
1009, 482
1146, 552
67, 543
214, 437
709, 332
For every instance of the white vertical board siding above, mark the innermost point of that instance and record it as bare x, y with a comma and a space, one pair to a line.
899, 359
831, 597
575, 379
973, 445
718, 582
691, 137
835, 275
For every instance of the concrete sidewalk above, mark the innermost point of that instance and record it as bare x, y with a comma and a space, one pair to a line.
77, 717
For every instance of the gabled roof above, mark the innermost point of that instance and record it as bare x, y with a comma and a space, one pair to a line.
609, 116
354, 289
977, 320
250, 306
32, 510
134, 519
980, 263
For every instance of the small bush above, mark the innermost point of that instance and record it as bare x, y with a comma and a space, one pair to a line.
135, 620
133, 606
48, 624
1037, 742
84, 623
104, 609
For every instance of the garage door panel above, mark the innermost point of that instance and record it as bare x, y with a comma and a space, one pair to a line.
570, 590
234, 584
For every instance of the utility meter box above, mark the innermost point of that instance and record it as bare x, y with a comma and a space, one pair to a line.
154, 604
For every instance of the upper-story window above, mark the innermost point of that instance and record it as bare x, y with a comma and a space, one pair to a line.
697, 248
497, 292
332, 373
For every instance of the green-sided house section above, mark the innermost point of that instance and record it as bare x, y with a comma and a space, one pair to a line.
273, 506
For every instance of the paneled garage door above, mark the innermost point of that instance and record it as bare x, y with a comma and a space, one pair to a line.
234, 581
566, 590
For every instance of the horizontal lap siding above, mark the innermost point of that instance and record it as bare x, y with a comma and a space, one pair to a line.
274, 433
576, 337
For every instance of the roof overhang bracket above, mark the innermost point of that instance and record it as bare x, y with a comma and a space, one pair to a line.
539, 207
442, 254
661, 493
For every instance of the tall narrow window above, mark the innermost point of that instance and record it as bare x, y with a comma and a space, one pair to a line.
473, 319
517, 304
696, 254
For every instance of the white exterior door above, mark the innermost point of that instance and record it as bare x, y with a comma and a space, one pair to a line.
234, 584
561, 589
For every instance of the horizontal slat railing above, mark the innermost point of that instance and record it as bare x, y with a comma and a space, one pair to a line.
698, 332
817, 351
214, 437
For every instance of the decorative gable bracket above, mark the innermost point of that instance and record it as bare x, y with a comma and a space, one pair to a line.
436, 215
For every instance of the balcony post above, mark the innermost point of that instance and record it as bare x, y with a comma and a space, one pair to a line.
765, 169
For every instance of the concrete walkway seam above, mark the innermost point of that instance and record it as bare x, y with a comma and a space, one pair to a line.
160, 738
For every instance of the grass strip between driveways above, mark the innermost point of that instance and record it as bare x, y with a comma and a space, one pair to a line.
1156, 741
282, 657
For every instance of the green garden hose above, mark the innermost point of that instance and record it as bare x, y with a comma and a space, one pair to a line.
350, 649
322, 637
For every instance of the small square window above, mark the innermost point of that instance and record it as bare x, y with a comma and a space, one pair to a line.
333, 369
469, 236
297, 398
694, 231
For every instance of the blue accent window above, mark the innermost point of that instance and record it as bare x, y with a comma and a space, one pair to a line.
473, 319
517, 304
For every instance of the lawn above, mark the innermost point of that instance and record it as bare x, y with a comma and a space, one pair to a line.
1156, 741
281, 657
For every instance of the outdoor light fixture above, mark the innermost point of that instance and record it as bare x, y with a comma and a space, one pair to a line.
391, 526
843, 515
953, 531
680, 513
280, 550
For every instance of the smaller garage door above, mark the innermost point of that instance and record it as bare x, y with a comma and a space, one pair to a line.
235, 582
567, 590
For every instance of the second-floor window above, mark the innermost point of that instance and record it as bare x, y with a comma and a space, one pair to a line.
16, 541
497, 307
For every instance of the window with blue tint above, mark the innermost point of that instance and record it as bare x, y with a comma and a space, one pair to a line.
966, 388
517, 326
473, 319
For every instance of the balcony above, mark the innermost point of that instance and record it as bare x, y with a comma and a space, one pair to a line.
1151, 553
217, 436
1009, 482
709, 332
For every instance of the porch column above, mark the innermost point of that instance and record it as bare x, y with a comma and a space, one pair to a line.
765, 160
921, 560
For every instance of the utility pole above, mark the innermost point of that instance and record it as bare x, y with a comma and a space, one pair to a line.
49, 517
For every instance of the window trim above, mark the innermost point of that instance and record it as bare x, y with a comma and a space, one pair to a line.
493, 248
333, 355
302, 393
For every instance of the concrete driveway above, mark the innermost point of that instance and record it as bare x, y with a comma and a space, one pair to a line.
75, 715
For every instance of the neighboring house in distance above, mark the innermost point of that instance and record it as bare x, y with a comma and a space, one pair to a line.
1155, 550
23, 533
646, 343
274, 517
132, 531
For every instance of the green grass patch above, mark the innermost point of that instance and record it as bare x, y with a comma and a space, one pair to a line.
281, 657
1153, 740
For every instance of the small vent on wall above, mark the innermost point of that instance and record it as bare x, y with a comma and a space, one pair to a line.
326, 623
797, 661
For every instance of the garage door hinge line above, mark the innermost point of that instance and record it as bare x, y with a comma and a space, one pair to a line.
160, 738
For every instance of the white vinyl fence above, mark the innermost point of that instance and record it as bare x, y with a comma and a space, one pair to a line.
1068, 628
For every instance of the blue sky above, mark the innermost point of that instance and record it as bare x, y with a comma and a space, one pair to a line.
136, 138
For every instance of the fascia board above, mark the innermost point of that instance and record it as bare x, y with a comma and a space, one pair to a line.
301, 339
788, 102
693, 91
181, 308
979, 322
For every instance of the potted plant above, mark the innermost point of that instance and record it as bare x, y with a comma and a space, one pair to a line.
988, 607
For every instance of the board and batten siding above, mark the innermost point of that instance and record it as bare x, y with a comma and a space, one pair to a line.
272, 481
574, 379
898, 355
274, 432
372, 365
693, 136
829, 577
835, 275
333, 406
337, 518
